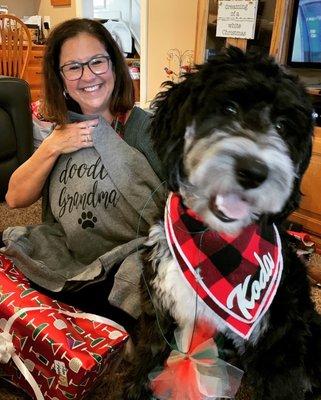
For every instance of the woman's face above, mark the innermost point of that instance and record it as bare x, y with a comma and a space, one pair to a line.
92, 92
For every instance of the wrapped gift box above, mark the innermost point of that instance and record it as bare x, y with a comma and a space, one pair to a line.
58, 351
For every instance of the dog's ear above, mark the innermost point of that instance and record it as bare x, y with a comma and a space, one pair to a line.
173, 113
174, 110
295, 198
304, 155
304, 149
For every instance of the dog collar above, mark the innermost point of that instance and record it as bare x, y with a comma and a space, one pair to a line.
236, 276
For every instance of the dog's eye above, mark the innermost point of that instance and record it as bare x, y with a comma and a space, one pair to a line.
231, 108
280, 125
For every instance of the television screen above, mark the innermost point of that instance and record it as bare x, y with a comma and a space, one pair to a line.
305, 37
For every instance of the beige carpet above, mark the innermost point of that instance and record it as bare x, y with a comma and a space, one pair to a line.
32, 215
22, 216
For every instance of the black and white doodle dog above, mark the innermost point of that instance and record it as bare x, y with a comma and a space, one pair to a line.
235, 139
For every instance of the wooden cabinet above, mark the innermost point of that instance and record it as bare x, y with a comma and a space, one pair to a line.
309, 213
33, 73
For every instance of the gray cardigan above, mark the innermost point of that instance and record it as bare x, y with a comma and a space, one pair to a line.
30, 246
136, 135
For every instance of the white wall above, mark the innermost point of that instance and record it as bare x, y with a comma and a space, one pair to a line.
85, 8
57, 13
166, 25
114, 8
22, 8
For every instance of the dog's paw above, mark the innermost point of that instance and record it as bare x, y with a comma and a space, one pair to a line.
136, 392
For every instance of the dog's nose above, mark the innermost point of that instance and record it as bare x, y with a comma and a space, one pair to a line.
250, 172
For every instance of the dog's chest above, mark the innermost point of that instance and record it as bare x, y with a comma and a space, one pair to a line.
176, 295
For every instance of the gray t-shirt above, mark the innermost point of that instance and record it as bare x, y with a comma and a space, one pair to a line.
103, 200
89, 206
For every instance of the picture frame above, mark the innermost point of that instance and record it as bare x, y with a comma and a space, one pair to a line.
60, 2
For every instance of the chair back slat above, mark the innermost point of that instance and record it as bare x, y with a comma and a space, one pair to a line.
15, 46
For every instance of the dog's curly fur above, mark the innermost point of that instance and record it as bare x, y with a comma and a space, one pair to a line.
239, 125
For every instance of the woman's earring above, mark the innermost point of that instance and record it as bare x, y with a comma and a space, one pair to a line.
65, 93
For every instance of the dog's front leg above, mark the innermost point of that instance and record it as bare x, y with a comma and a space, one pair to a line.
151, 351
278, 372
286, 386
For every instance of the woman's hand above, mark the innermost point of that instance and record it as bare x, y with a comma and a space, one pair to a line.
72, 137
27, 181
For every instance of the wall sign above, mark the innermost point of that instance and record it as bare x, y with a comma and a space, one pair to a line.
60, 2
236, 18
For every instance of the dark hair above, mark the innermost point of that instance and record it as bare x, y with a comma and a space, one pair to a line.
55, 104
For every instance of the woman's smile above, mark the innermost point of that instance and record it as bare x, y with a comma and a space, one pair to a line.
91, 91
92, 88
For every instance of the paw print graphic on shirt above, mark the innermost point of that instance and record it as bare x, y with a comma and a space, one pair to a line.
87, 220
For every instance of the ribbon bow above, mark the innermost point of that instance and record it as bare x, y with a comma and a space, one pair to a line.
6, 347
196, 375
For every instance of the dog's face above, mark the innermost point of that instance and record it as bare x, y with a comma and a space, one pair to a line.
235, 139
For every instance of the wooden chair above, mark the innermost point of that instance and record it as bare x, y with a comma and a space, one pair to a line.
15, 46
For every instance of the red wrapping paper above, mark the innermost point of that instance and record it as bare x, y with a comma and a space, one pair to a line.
65, 354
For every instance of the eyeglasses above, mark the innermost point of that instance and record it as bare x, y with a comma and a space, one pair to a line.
74, 71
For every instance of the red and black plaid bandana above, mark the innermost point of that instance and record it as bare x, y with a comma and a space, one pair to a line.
236, 276
118, 124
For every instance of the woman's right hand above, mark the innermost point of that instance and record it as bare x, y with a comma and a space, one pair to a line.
27, 181
72, 137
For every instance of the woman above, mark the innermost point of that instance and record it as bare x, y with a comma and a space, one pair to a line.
101, 188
